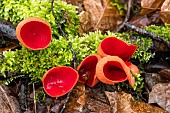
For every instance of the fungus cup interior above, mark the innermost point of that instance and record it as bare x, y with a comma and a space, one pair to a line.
113, 70
87, 69
116, 47
34, 33
59, 80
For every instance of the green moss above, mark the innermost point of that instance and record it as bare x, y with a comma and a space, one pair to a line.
17, 10
36, 63
117, 3
160, 30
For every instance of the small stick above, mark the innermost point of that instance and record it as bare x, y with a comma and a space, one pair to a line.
35, 106
148, 34
64, 34
127, 15
8, 99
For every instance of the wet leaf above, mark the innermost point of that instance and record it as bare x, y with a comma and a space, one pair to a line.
9, 104
100, 15
165, 73
157, 66
160, 94
8, 38
165, 11
96, 101
77, 99
122, 102
140, 21
149, 6
152, 79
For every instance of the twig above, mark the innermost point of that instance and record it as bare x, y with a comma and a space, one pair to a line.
35, 106
72, 50
127, 15
65, 35
8, 100
148, 34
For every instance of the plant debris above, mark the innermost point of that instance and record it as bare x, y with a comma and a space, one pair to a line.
99, 15
164, 14
149, 6
9, 104
160, 94
122, 102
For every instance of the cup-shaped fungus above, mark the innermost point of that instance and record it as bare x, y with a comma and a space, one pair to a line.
59, 80
87, 70
112, 69
34, 33
115, 47
134, 69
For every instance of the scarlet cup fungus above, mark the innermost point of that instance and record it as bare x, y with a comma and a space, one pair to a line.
115, 47
87, 70
134, 69
59, 80
112, 69
34, 33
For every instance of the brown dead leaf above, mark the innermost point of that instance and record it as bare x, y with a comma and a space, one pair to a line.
8, 103
10, 46
96, 102
77, 99
160, 94
99, 15
165, 73
165, 12
122, 102
151, 79
140, 21
149, 6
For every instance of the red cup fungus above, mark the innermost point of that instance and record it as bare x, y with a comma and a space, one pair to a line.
87, 70
59, 80
134, 69
112, 69
34, 33
115, 47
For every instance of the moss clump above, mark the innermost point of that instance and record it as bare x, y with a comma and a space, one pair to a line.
160, 30
36, 63
17, 10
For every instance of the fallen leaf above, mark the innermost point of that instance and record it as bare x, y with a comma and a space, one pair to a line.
160, 94
9, 46
119, 102
140, 21
165, 11
77, 99
122, 102
149, 6
165, 73
8, 38
165, 6
101, 16
8, 103
96, 102
151, 79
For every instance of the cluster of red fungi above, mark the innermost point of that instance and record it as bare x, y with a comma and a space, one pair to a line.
109, 65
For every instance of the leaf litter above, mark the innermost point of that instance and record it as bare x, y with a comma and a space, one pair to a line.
99, 15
